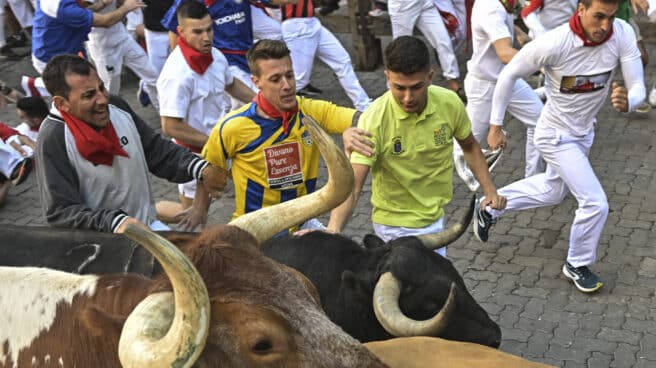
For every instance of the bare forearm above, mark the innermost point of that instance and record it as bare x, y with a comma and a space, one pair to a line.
182, 132
111, 18
479, 168
341, 214
240, 91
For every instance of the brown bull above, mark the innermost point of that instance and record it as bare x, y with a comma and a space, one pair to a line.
229, 305
423, 352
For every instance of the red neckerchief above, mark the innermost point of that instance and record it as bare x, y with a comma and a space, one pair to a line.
6, 131
35, 128
508, 4
209, 3
469, 4
197, 61
531, 7
97, 146
270, 110
577, 28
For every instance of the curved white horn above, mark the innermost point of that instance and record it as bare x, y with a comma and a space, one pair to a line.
268, 221
166, 329
390, 316
448, 236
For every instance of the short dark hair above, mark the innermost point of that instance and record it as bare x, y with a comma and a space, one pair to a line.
55, 72
265, 50
34, 107
407, 55
192, 9
587, 3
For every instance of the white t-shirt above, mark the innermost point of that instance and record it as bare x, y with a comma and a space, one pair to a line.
490, 22
577, 77
24, 129
108, 36
197, 99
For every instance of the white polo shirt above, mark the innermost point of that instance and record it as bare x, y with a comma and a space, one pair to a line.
197, 99
577, 77
489, 22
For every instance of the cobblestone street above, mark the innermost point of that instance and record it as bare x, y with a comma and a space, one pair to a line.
517, 275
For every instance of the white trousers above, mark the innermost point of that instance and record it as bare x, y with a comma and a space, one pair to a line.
109, 64
158, 48
568, 170
307, 38
23, 12
388, 233
406, 14
264, 27
458, 9
524, 105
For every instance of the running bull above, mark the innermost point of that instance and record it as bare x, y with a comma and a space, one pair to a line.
378, 290
225, 305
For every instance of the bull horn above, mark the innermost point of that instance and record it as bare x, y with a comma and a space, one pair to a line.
166, 329
390, 316
448, 236
268, 221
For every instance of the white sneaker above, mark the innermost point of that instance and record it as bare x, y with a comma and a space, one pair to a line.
652, 96
377, 12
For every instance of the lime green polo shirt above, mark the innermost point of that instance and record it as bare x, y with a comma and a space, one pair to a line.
412, 166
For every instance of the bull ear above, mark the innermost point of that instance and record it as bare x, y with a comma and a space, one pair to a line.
101, 323
372, 241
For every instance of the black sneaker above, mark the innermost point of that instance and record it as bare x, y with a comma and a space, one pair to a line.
482, 223
17, 40
142, 95
328, 8
583, 278
309, 90
6, 53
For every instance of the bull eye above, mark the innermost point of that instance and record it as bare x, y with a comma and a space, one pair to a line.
262, 346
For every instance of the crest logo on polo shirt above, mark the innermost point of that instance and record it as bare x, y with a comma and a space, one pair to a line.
440, 135
397, 146
306, 138
570, 84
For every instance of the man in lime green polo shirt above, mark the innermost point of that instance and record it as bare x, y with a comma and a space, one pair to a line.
412, 128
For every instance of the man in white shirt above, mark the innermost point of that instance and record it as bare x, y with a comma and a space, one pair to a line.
579, 60
192, 89
492, 41
111, 47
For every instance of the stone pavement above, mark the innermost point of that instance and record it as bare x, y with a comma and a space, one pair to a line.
516, 276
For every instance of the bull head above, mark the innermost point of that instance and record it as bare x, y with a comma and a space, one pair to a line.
388, 290
170, 329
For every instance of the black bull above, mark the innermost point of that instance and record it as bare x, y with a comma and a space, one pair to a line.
346, 275
344, 272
